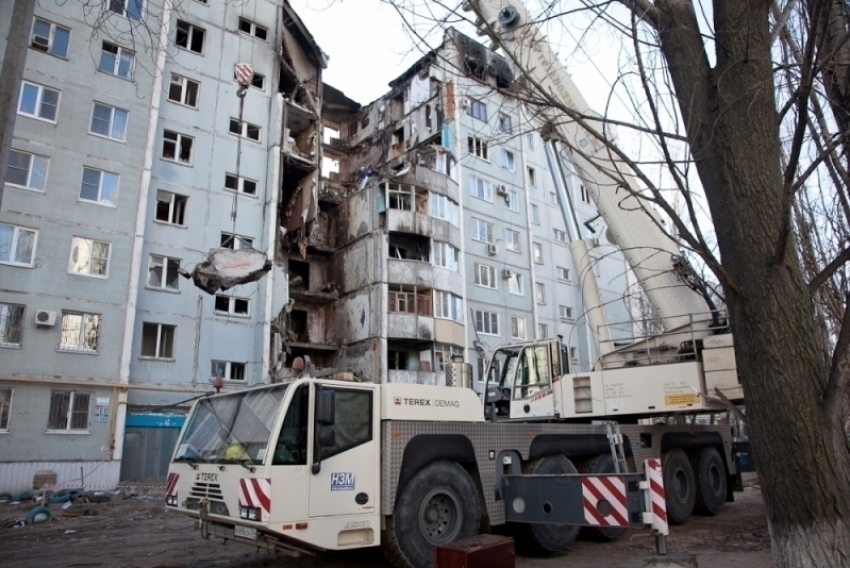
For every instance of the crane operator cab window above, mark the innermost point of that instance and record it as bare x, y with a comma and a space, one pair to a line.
532, 372
291, 448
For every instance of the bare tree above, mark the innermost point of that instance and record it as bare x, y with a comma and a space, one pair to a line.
760, 92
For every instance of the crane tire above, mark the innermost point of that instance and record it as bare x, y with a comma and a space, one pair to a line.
711, 478
600, 464
679, 486
438, 505
544, 539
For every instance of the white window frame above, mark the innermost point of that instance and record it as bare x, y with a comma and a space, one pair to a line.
231, 306
240, 185
443, 207
537, 253
477, 226
489, 322
512, 240
485, 276
481, 189
477, 147
177, 206
559, 235
448, 306
121, 54
477, 109
158, 347
253, 28
245, 129
32, 160
535, 214
12, 324
445, 255
183, 83
241, 242
111, 123
515, 284
13, 250
6, 408
229, 371
190, 31
79, 344
565, 312
532, 176
553, 198
512, 200
165, 264
68, 429
529, 140
102, 175
171, 137
563, 273
50, 39
542, 331
140, 4
85, 244
507, 160
540, 293
505, 123
518, 330
39, 101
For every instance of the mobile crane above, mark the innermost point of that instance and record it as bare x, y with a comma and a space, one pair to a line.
328, 463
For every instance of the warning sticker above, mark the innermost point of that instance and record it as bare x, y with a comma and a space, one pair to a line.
681, 399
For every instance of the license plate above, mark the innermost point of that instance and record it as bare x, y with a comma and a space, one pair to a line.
245, 532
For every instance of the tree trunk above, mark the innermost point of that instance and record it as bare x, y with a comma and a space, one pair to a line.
731, 119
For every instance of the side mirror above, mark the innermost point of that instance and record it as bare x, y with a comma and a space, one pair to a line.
326, 408
326, 436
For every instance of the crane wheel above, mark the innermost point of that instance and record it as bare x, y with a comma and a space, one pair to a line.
544, 539
438, 506
679, 486
600, 464
710, 481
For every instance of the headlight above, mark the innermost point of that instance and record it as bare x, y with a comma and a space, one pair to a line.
249, 513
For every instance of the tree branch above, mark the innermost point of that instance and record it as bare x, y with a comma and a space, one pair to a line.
829, 270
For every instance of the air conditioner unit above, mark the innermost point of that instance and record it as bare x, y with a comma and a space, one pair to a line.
40, 42
492, 249
502, 189
465, 102
45, 318
506, 274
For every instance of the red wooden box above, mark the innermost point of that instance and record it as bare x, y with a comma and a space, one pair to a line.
482, 551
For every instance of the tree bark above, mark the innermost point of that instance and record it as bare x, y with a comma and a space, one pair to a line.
732, 124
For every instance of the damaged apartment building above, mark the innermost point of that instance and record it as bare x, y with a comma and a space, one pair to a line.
434, 234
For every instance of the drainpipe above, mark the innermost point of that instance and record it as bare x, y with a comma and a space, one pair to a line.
139, 240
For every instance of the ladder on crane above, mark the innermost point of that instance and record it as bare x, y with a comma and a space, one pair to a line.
615, 441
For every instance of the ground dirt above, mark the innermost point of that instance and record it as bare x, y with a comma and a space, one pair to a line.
139, 532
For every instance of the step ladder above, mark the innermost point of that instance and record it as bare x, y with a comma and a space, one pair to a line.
615, 440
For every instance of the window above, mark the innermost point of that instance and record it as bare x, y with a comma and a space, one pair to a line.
512, 240
478, 147
553, 198
514, 283
485, 275
17, 245
482, 189
183, 91
50, 38
352, 421
560, 235
444, 355
240, 185
512, 200
158, 340
535, 214
11, 325
228, 370
508, 159
444, 208
565, 312
542, 331
486, 322
109, 121
540, 292
38, 101
190, 37
244, 129
505, 123
482, 231
446, 256
131, 9
69, 410
26, 170
573, 353
89, 257
517, 327
397, 360
563, 273
116, 60
5, 408
584, 195
529, 140
291, 446
171, 207
257, 81
406, 299
80, 332
400, 196
99, 187
163, 272
448, 305
532, 177
236, 242
231, 305
538, 253
477, 109
177, 147
250, 28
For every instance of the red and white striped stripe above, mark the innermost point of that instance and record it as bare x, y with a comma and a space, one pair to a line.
605, 502
256, 493
171, 484
655, 496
